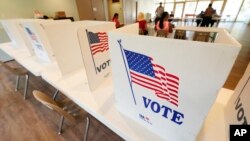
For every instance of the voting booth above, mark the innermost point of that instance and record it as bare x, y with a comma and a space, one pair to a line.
169, 85
71, 52
237, 110
17, 35
81, 35
37, 37
95, 52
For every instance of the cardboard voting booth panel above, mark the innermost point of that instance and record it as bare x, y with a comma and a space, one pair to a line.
65, 44
130, 29
237, 111
95, 51
169, 85
34, 30
17, 35
4, 36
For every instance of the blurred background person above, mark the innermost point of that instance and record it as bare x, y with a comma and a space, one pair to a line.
164, 24
208, 16
116, 20
142, 24
38, 14
214, 16
159, 10
171, 16
199, 18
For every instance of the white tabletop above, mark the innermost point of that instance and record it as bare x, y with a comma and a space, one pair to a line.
34, 64
101, 104
23, 57
15, 52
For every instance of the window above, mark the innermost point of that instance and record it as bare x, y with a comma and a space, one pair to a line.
147, 6
231, 9
217, 5
189, 8
178, 10
158, 1
169, 7
201, 6
244, 14
169, 1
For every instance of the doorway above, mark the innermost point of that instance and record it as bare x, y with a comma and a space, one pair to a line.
98, 10
129, 11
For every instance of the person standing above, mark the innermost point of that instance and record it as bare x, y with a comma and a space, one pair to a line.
159, 10
142, 24
208, 16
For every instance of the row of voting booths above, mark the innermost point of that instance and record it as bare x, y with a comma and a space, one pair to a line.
167, 86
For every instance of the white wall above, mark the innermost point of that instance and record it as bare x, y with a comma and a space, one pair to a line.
3, 36
116, 8
25, 8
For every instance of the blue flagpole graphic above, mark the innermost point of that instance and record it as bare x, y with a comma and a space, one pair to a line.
242, 89
91, 50
119, 41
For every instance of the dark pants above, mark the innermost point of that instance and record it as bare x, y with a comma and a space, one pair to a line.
157, 19
212, 22
198, 22
206, 21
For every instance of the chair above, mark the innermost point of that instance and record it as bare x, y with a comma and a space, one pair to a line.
180, 34
18, 72
63, 109
162, 33
201, 36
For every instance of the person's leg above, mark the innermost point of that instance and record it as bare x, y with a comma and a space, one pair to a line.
156, 20
198, 22
204, 21
209, 19
212, 23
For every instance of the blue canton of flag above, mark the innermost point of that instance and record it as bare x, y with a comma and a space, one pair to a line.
152, 76
98, 42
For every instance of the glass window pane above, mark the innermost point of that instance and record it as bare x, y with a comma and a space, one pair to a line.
158, 1
244, 14
217, 5
169, 7
189, 8
231, 9
169, 0
202, 6
147, 6
178, 10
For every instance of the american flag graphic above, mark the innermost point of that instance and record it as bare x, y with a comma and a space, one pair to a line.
34, 38
152, 76
32, 35
98, 42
